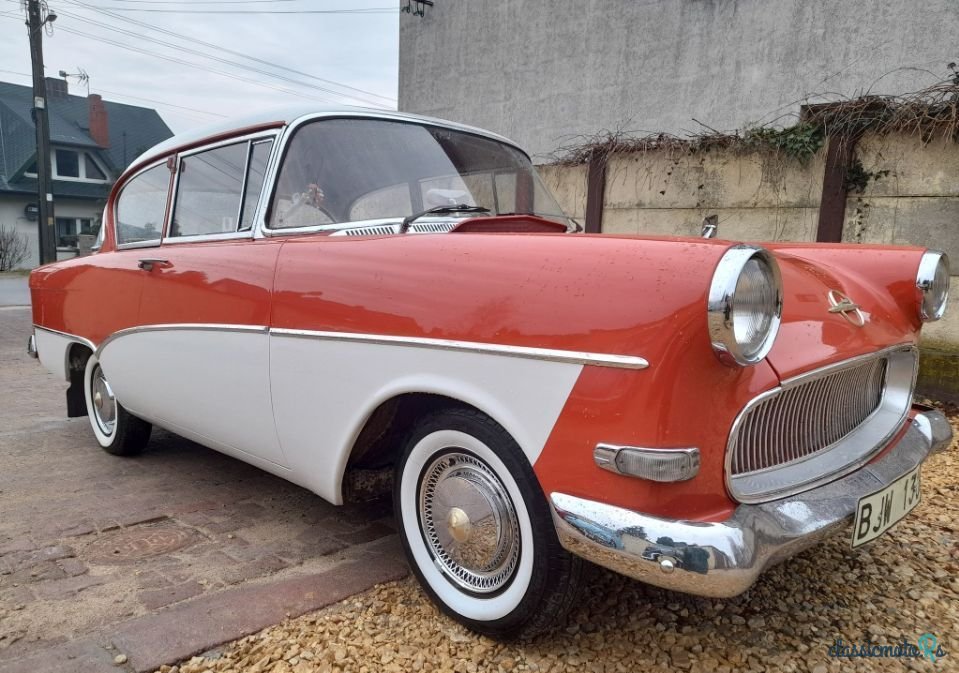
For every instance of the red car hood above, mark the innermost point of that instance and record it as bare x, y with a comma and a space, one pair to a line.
881, 281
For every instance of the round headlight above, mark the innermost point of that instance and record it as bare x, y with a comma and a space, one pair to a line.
933, 282
744, 305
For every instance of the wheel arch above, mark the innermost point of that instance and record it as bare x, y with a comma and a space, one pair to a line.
377, 437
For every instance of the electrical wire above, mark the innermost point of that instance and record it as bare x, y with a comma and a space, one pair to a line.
218, 59
247, 80
159, 29
371, 10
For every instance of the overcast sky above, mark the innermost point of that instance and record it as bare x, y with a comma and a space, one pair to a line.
354, 49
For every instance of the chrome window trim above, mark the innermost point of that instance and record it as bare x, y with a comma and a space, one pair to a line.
203, 238
549, 354
116, 205
289, 131
139, 244
891, 389
722, 291
249, 139
924, 279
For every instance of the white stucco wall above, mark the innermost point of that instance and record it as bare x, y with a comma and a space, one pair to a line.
11, 215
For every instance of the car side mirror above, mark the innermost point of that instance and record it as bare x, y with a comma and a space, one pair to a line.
710, 226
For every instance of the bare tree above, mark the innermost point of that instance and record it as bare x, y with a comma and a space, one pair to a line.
13, 248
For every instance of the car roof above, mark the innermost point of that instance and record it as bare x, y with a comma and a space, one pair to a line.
283, 116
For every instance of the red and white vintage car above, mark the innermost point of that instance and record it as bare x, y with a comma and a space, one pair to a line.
317, 292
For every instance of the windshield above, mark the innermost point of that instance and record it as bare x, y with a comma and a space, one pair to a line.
348, 170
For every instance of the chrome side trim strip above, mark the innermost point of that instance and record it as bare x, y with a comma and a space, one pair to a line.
195, 327
72, 337
553, 355
549, 354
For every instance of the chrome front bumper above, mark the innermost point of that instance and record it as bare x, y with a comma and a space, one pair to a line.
724, 559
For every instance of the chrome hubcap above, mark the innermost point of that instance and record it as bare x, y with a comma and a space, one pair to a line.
104, 403
469, 523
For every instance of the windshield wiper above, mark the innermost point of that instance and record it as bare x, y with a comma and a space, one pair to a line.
439, 210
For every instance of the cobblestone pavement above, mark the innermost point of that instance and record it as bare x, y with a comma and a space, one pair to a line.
159, 556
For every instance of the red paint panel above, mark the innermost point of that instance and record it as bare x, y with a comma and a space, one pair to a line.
222, 282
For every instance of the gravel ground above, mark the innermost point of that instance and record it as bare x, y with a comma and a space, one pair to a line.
905, 585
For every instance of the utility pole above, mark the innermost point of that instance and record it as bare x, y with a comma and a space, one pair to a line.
47, 230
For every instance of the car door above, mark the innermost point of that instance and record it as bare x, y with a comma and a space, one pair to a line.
204, 315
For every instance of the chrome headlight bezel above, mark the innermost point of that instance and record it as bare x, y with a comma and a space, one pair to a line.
933, 265
721, 302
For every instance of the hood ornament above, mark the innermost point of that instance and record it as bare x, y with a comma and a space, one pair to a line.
846, 307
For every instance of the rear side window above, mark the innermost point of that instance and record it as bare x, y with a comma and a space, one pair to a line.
217, 190
142, 205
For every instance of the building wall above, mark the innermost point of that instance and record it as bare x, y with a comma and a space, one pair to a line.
543, 72
11, 215
912, 199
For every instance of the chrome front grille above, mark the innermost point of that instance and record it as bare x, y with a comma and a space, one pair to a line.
808, 418
819, 425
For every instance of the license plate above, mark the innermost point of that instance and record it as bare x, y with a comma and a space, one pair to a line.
880, 511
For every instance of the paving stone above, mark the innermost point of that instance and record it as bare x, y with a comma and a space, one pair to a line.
45, 570
157, 598
68, 588
196, 626
372, 532
78, 656
72, 566
260, 567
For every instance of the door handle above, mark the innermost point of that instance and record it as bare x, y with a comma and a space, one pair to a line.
148, 263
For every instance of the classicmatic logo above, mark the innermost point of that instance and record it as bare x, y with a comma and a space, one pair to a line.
927, 647
846, 307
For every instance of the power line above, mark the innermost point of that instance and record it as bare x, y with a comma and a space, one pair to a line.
104, 40
218, 59
203, 2
160, 102
371, 10
126, 95
217, 47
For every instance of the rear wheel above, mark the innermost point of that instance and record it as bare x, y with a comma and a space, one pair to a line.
117, 431
477, 529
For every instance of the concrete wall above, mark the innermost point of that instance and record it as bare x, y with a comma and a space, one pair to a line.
912, 199
11, 214
540, 72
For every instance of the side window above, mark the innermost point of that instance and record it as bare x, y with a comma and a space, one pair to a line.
142, 205
255, 174
208, 191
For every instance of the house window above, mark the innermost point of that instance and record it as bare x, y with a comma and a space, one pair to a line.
93, 172
72, 165
66, 164
69, 227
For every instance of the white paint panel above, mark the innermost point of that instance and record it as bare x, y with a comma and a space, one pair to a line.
52, 349
213, 384
324, 390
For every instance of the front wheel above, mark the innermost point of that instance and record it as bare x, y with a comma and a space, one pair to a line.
116, 429
477, 529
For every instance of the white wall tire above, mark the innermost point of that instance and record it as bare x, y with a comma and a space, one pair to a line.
519, 580
115, 429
